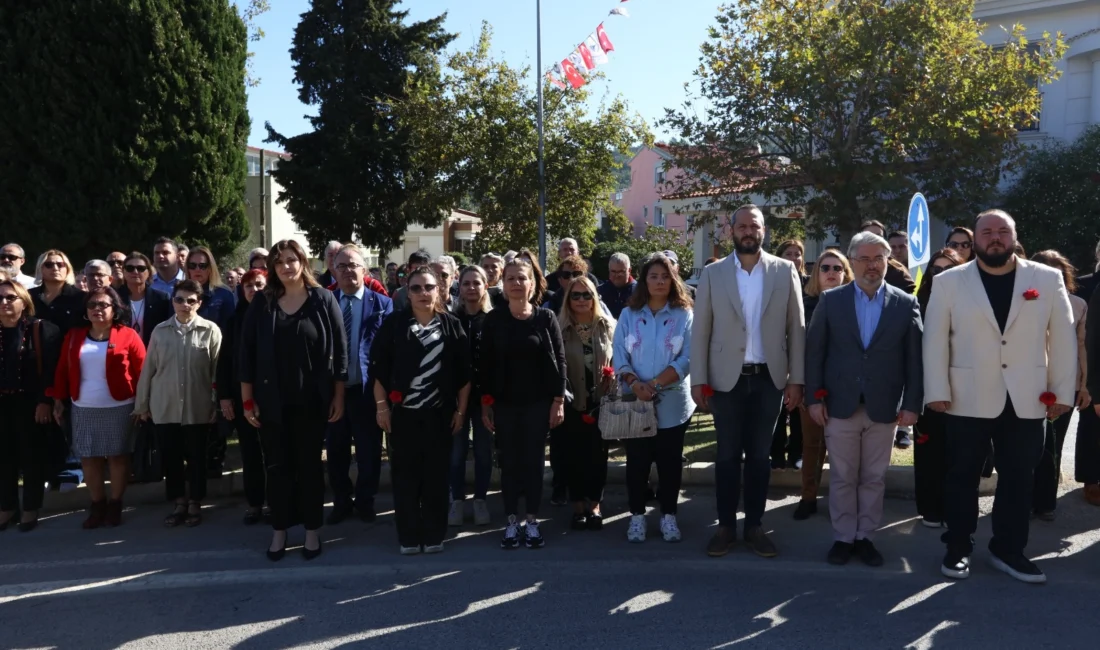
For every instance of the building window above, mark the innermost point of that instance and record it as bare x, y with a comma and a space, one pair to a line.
658, 216
645, 212
659, 173
253, 164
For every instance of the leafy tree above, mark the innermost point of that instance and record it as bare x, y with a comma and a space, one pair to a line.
483, 121
363, 172
122, 121
615, 225
1056, 200
459, 257
849, 107
250, 11
654, 240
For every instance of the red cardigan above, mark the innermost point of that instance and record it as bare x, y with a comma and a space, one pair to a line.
125, 356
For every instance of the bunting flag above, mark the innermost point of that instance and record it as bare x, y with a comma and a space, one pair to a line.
575, 79
620, 11
586, 56
605, 42
584, 59
555, 81
593, 45
577, 61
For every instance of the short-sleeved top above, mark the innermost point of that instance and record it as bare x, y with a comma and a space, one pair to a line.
295, 335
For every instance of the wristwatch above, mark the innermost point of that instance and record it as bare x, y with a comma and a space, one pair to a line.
657, 386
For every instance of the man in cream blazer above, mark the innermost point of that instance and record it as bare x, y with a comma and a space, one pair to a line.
747, 345
1000, 355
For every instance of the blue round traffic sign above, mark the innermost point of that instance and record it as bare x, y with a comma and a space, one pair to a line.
917, 231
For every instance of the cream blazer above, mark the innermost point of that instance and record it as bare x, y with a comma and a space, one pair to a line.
177, 381
970, 363
719, 332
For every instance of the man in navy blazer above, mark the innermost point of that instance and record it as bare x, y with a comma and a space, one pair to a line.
864, 377
363, 311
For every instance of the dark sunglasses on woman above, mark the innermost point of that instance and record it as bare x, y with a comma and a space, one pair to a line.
198, 265
180, 300
831, 267
136, 268
421, 288
580, 295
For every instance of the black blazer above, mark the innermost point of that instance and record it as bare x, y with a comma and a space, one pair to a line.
256, 349
1092, 346
38, 386
1086, 286
547, 381
229, 362
158, 308
394, 345
66, 311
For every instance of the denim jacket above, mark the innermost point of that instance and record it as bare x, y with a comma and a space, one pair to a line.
646, 344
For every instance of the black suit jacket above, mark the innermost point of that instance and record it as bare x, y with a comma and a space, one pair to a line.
158, 308
1086, 286
888, 374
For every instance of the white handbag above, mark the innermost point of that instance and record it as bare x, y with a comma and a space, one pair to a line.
622, 418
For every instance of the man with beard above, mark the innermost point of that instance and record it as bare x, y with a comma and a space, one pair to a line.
1000, 355
747, 357
11, 261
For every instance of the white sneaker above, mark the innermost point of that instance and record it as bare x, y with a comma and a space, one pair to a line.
410, 550
636, 532
669, 530
798, 464
434, 548
931, 523
454, 518
481, 512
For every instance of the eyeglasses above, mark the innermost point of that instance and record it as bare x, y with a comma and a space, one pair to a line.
959, 244
53, 265
421, 288
580, 295
8, 298
8, 257
350, 266
198, 265
136, 268
880, 259
116, 263
99, 306
831, 267
180, 300
98, 275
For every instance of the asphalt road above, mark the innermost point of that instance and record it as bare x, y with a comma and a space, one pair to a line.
143, 586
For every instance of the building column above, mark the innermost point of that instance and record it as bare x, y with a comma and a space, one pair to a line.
1094, 113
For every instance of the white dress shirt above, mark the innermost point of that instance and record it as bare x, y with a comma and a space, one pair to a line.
750, 286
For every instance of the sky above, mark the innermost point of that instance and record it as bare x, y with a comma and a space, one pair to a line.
656, 49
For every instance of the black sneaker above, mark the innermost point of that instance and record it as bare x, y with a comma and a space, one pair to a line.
903, 440
580, 522
806, 507
531, 535
1019, 567
956, 565
559, 497
868, 553
511, 535
840, 553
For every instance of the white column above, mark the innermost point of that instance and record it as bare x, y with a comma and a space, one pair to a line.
1094, 113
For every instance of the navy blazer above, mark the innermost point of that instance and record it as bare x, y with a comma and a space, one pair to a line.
376, 308
888, 375
158, 308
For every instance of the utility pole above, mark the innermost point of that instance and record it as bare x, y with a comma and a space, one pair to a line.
542, 173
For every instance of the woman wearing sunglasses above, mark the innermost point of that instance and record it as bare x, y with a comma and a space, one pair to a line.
176, 392
830, 271
217, 300
147, 307
99, 368
57, 299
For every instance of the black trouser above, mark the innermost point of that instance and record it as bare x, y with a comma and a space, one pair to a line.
420, 457
666, 449
1049, 470
217, 436
521, 433
1087, 456
252, 458
558, 460
295, 473
786, 451
585, 457
1017, 445
147, 465
183, 445
23, 446
360, 426
930, 464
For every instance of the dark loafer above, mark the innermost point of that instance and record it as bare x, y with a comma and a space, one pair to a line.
868, 553
594, 521
840, 553
759, 542
724, 539
806, 507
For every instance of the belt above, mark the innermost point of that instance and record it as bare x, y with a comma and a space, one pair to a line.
754, 368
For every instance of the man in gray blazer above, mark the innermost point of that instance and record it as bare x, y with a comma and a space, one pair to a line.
747, 342
864, 378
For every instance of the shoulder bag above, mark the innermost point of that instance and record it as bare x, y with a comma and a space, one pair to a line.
626, 417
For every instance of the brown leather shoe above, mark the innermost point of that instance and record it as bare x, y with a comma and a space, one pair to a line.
723, 540
759, 542
1092, 493
113, 516
96, 513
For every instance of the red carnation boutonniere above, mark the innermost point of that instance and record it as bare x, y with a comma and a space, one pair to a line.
487, 400
820, 394
1031, 294
1048, 398
607, 371
922, 438
396, 396
588, 419
708, 391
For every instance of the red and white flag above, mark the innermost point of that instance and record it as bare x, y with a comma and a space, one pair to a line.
593, 45
550, 77
605, 42
578, 61
586, 56
571, 75
620, 11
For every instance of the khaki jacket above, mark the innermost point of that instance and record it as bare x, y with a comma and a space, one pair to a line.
177, 381
602, 343
1080, 317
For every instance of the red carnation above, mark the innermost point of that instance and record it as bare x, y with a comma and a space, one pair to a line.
1031, 294
1048, 398
487, 400
708, 391
820, 394
396, 396
608, 371
588, 419
922, 438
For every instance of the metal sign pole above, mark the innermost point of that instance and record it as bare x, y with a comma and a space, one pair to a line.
542, 174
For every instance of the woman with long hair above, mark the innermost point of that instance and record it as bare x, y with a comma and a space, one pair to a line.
794, 251
294, 363
588, 333
473, 307
420, 363
540, 289
652, 349
523, 377
961, 241
99, 369
830, 271
57, 299
217, 299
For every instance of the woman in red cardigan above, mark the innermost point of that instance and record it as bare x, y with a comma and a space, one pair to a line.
99, 368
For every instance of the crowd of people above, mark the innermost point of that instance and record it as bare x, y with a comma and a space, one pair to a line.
979, 367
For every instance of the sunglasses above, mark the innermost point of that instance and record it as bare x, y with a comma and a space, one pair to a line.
421, 288
53, 265
8, 298
136, 268
198, 265
180, 300
831, 267
959, 244
571, 274
116, 263
580, 295
6, 257
99, 306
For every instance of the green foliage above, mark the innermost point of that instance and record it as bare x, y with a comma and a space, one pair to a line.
365, 171
849, 107
654, 240
459, 257
480, 123
615, 225
780, 230
122, 121
1056, 200
250, 13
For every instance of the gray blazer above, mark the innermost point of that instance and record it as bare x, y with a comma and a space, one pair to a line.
889, 374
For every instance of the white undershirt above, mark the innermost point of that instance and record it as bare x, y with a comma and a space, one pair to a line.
94, 392
138, 307
750, 286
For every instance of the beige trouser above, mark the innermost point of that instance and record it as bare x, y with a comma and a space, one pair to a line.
859, 453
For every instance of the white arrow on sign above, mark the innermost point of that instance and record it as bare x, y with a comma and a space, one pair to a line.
917, 236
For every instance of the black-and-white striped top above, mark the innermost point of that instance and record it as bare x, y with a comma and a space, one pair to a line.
424, 389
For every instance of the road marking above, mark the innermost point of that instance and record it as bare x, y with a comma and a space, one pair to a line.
397, 588
774, 617
642, 602
927, 641
919, 597
19, 592
225, 637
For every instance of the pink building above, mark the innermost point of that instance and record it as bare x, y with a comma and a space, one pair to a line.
642, 200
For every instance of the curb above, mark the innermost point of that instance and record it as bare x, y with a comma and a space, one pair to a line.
899, 484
